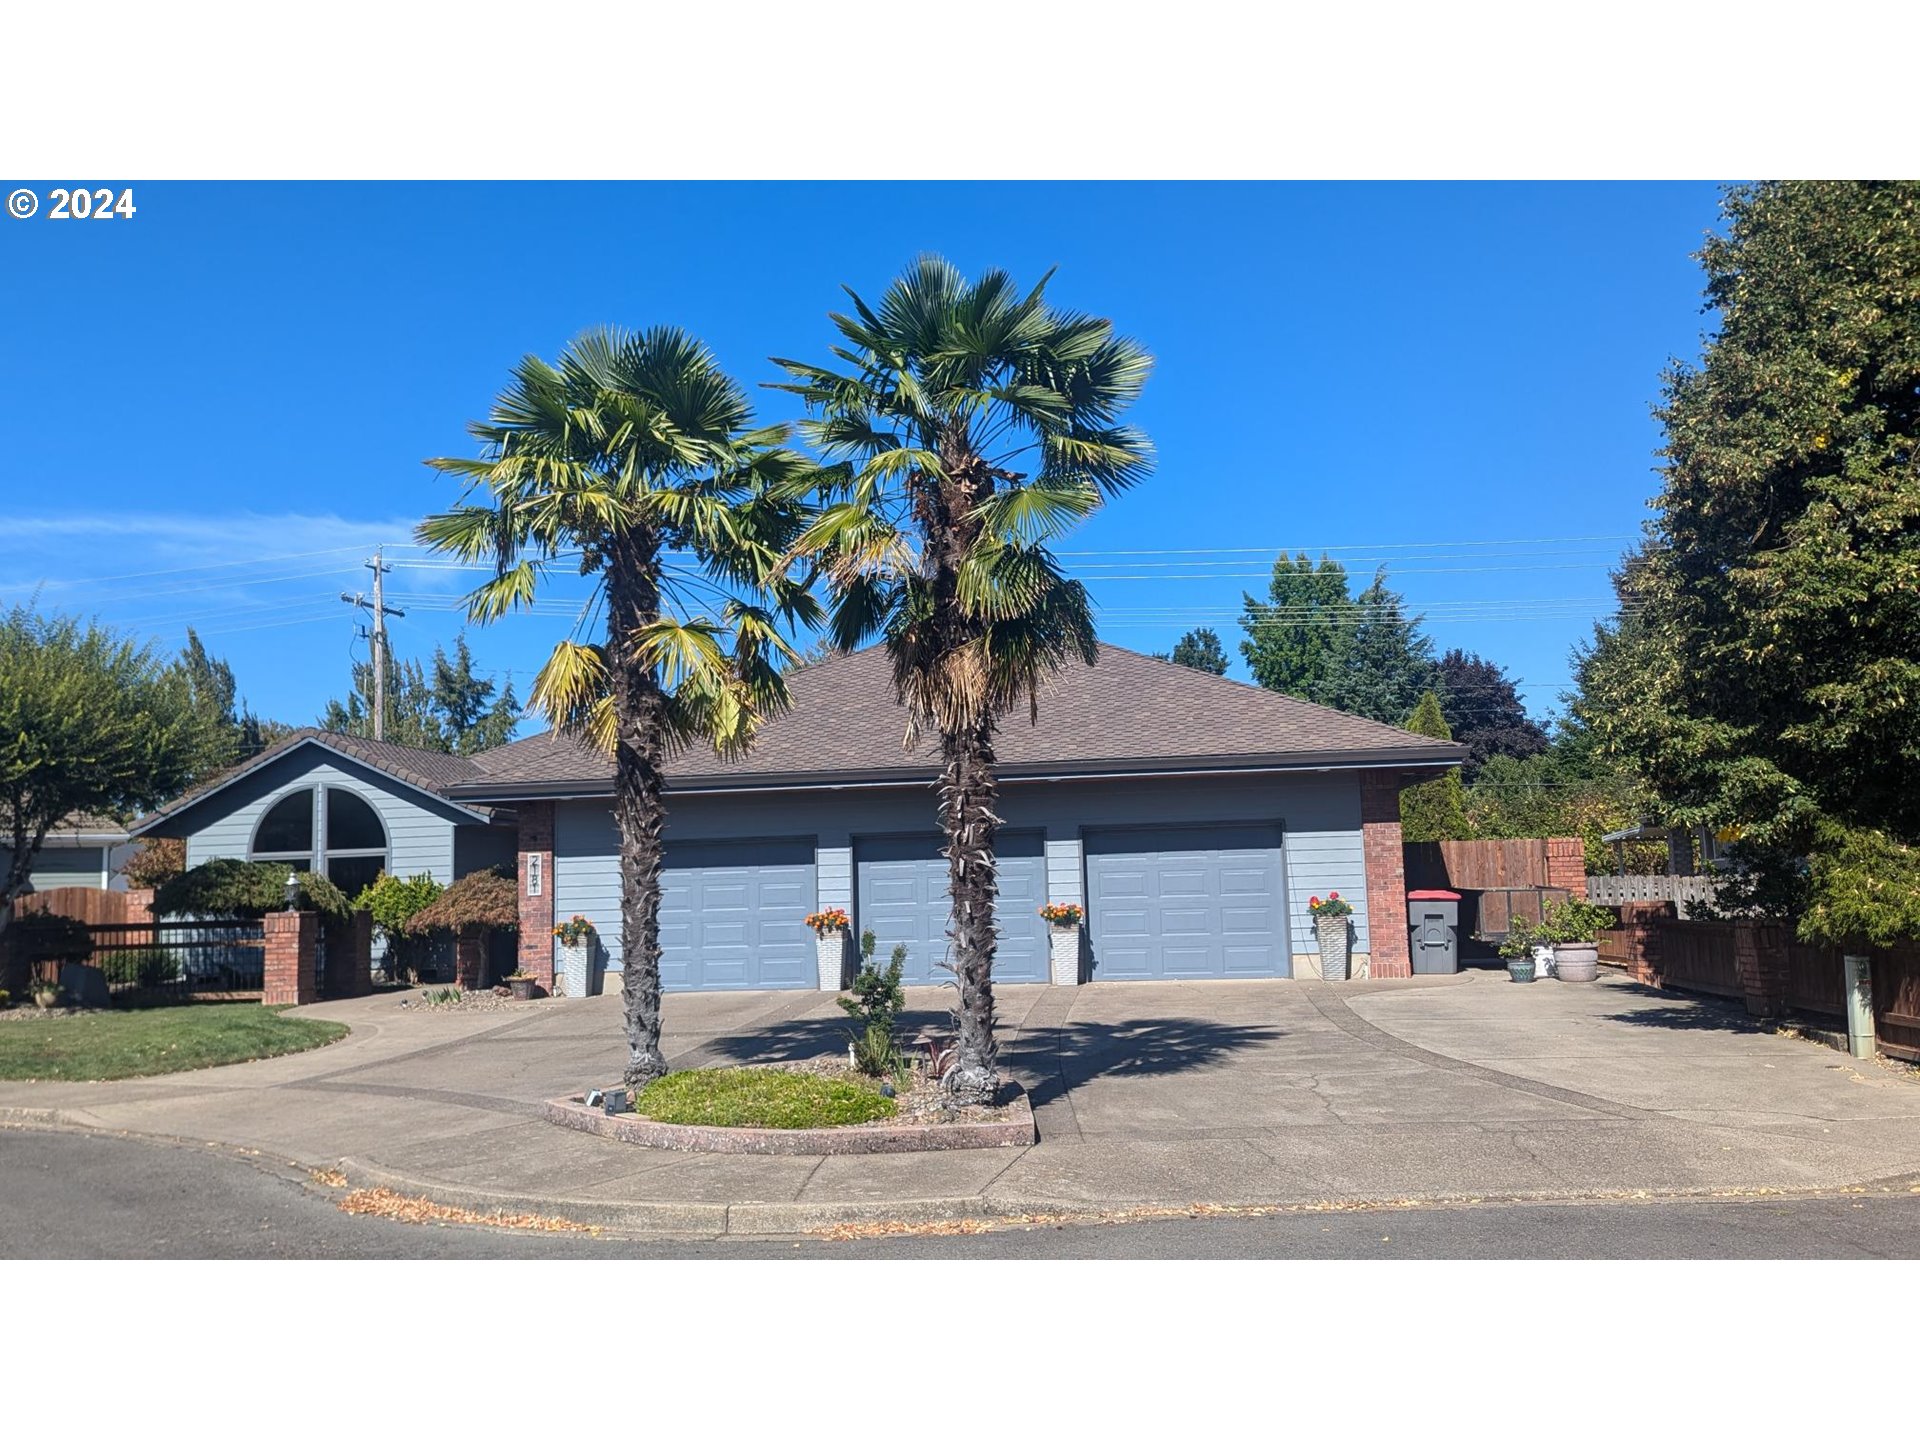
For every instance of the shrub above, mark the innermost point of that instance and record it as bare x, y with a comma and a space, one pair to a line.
876, 1002
1574, 922
146, 968
246, 889
49, 937
155, 862
486, 899
768, 1099
392, 903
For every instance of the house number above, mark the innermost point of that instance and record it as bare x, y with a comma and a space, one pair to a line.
535, 866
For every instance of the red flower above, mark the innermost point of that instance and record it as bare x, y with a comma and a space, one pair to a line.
1315, 900
1333, 895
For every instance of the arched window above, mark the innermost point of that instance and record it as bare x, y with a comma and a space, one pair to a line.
349, 847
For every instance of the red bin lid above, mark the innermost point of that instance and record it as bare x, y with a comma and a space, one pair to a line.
1431, 895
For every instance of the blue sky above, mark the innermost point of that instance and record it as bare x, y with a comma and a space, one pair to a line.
214, 410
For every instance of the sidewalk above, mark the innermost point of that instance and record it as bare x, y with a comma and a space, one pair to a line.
1255, 1093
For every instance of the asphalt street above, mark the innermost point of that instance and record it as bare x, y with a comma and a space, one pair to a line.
76, 1196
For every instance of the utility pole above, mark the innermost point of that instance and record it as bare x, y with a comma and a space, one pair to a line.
380, 610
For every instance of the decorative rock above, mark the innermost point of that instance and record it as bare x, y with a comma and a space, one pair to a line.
83, 985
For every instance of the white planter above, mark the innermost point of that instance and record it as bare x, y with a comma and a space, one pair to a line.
579, 975
1331, 932
1063, 954
1543, 962
830, 953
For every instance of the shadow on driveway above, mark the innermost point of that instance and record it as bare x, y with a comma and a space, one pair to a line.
1693, 1012
1054, 1056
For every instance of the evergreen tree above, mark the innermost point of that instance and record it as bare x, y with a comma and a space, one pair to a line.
1297, 637
453, 711
1485, 712
1762, 672
1199, 650
1435, 810
231, 732
1386, 664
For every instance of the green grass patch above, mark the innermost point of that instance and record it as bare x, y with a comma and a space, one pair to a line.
119, 1044
770, 1099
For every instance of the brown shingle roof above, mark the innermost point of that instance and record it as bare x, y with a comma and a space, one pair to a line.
1129, 712
428, 770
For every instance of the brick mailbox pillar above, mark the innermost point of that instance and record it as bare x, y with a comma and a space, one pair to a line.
350, 957
292, 937
1760, 957
470, 959
536, 892
1386, 875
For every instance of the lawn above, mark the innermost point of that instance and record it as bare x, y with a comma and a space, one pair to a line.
770, 1099
117, 1044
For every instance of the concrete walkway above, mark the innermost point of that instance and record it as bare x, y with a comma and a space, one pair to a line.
1246, 1093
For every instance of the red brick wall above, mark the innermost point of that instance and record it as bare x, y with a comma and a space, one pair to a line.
1567, 866
536, 911
1386, 874
291, 936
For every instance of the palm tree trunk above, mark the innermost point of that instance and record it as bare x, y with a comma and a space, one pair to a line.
633, 600
968, 793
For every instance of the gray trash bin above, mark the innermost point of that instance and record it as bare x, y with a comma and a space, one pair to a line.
1434, 919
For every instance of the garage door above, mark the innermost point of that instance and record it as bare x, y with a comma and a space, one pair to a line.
730, 916
1205, 903
901, 894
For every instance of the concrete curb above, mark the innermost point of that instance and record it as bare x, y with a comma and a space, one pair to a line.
664, 1217
1016, 1131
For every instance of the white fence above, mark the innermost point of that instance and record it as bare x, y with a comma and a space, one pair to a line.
1626, 889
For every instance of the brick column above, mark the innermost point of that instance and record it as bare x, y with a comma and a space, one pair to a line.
1386, 875
536, 891
291, 938
350, 957
1567, 865
1760, 956
1639, 927
470, 958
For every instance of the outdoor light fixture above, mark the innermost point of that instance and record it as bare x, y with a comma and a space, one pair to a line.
293, 887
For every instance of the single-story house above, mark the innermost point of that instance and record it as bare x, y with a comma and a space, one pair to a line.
1192, 817
82, 850
344, 807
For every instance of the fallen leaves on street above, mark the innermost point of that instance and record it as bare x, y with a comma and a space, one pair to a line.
417, 1210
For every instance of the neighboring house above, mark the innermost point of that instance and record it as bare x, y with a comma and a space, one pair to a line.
1193, 816
83, 850
343, 807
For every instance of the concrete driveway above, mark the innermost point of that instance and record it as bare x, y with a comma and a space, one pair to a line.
1225, 1093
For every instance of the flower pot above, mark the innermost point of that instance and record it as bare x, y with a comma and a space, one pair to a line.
1575, 963
1331, 932
522, 989
830, 957
1520, 971
46, 999
579, 970
1543, 961
1063, 953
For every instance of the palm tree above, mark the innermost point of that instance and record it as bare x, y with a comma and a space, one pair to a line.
929, 538
632, 456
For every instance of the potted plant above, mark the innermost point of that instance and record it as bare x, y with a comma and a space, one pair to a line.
830, 927
578, 973
522, 986
46, 994
1330, 929
1572, 927
1063, 941
1517, 950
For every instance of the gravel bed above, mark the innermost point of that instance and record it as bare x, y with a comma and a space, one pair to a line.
30, 1011
472, 1002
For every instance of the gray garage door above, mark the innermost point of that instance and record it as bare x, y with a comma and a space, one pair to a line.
1187, 904
901, 894
730, 916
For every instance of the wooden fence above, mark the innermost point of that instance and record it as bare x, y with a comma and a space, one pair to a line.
1782, 974
89, 906
1496, 864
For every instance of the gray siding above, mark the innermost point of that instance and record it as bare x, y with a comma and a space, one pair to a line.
419, 829
57, 866
1319, 816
